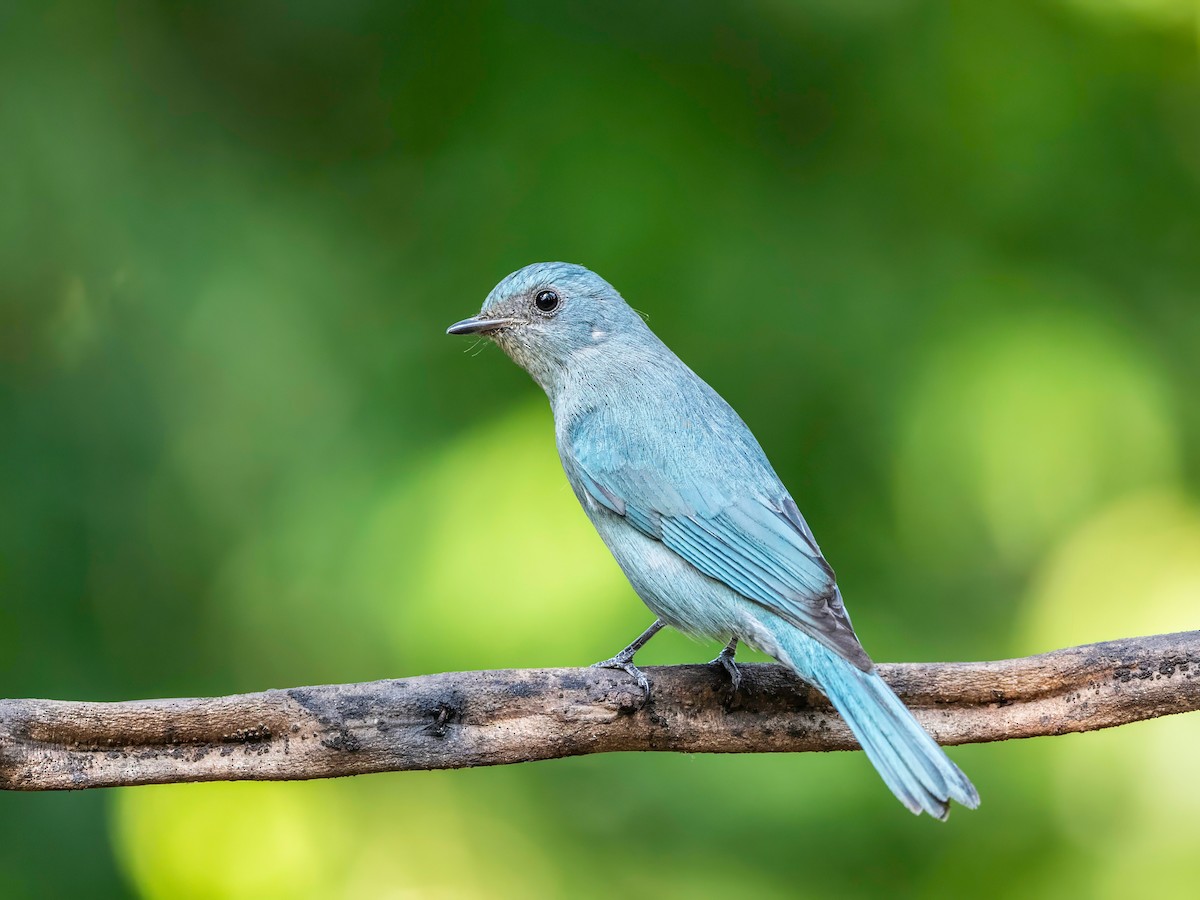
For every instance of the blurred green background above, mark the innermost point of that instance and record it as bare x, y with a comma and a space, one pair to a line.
944, 258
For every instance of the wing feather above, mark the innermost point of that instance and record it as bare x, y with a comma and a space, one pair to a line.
759, 547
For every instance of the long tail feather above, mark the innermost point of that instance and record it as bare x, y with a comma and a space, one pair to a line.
910, 762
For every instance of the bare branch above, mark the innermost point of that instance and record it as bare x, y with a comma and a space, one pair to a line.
464, 719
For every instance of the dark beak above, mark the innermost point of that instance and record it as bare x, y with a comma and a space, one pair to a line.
476, 325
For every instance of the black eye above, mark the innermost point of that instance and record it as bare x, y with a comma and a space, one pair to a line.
546, 301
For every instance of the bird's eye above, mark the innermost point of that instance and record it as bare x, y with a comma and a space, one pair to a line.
546, 301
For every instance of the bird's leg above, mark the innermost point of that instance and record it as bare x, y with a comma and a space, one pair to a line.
624, 659
725, 659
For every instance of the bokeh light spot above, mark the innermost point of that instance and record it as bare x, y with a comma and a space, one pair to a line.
1018, 429
1121, 794
509, 570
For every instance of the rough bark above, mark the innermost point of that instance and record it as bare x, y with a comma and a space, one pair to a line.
461, 719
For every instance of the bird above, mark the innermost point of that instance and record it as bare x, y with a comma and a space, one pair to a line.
693, 512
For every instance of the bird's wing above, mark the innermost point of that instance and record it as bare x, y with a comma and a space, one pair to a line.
757, 545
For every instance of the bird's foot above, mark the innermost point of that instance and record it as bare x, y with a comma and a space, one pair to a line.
725, 660
624, 659
625, 664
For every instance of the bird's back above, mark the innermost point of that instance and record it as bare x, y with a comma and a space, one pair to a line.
645, 409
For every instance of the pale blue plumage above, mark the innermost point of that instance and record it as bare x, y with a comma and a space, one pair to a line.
691, 509
735, 523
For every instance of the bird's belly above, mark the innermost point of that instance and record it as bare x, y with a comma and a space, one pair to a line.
674, 590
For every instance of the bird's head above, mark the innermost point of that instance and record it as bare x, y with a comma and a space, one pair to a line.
552, 318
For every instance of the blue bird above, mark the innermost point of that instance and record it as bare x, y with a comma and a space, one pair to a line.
689, 505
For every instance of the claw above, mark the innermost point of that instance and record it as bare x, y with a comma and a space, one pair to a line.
629, 668
725, 660
624, 659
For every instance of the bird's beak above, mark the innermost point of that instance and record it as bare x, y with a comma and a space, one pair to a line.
476, 325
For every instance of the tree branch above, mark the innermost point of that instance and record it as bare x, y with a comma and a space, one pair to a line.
464, 719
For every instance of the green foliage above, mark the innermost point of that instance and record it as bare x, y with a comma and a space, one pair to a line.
941, 257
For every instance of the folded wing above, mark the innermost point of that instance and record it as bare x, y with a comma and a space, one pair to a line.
759, 546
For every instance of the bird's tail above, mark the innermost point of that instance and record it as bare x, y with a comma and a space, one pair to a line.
910, 762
